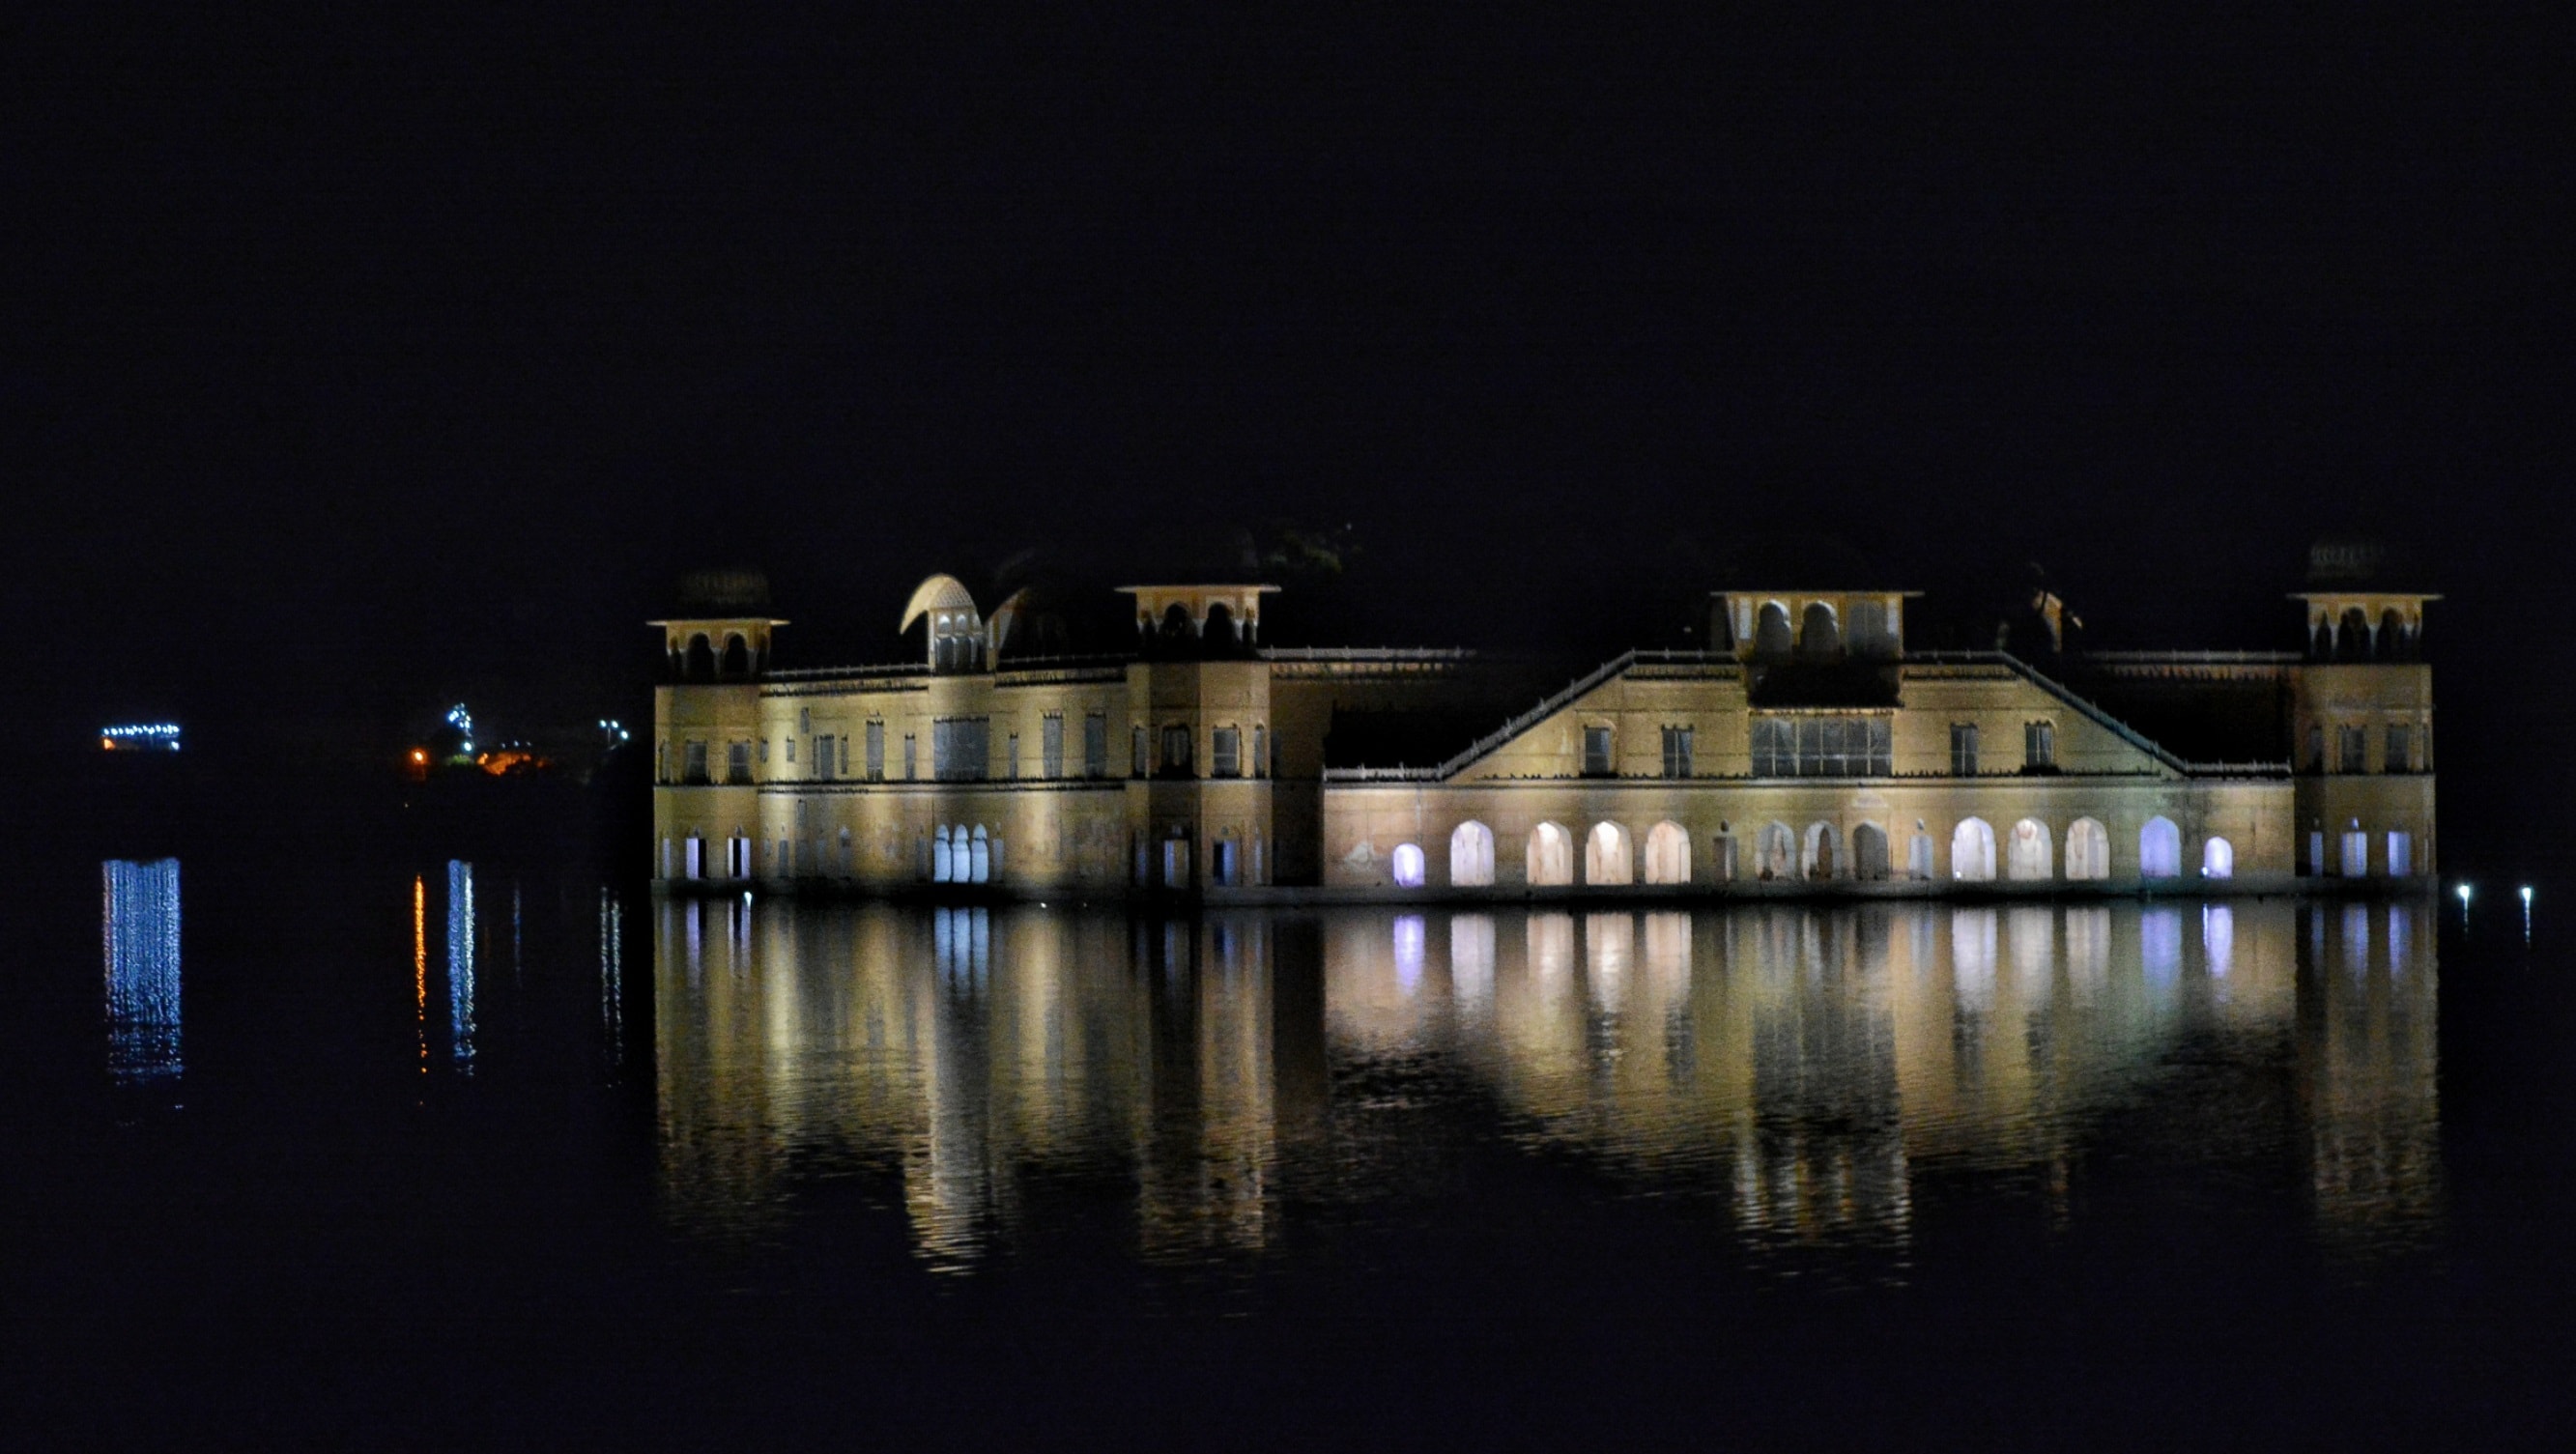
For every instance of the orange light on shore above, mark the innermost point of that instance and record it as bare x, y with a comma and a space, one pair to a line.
419, 757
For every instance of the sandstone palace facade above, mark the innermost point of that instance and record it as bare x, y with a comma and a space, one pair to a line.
1810, 752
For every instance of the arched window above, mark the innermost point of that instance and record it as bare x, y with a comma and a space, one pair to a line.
1667, 854
1918, 856
2392, 636
2088, 850
1408, 865
701, 662
1824, 855
2217, 859
1220, 632
2356, 852
1972, 851
2159, 849
1869, 853
1771, 638
1607, 859
1776, 854
1820, 638
1177, 625
2352, 636
979, 858
847, 865
1471, 856
943, 862
2401, 854
2032, 855
737, 657
1551, 856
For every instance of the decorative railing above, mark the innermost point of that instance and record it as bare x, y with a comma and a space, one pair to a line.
835, 673
1365, 653
2193, 658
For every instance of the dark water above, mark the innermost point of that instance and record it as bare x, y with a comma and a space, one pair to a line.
443, 1152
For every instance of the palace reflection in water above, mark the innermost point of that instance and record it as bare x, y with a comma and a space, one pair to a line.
1803, 1068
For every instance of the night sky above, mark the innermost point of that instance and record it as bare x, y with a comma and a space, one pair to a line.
354, 365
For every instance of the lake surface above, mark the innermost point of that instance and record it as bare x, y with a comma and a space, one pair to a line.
453, 1151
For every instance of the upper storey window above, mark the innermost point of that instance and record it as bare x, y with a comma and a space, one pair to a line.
2039, 746
1963, 749
1596, 752
1176, 750
1677, 752
960, 748
1822, 746
1225, 747
2352, 749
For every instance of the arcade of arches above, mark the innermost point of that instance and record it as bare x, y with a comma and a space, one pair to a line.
1607, 853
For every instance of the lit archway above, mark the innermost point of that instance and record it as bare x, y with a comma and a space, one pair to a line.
2217, 859
2031, 854
1972, 851
1471, 856
1407, 865
1551, 856
1668, 854
2159, 849
1608, 858
2088, 850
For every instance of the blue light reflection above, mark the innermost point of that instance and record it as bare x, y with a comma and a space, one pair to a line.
139, 912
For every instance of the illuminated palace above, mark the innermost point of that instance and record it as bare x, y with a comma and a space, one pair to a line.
1809, 751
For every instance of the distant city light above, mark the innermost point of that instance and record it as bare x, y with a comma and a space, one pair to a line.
140, 737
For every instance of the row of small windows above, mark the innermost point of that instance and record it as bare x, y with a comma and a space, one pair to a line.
1782, 854
1823, 745
2352, 749
961, 750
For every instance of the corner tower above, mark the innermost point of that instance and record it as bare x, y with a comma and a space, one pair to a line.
706, 727
2362, 717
